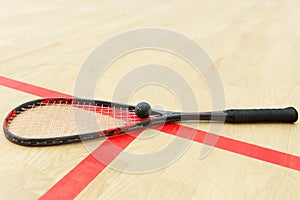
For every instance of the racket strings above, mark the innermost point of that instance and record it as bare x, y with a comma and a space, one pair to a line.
57, 119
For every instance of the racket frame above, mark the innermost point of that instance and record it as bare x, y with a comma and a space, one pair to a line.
285, 115
66, 139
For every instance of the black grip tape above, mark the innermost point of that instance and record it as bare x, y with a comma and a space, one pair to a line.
285, 115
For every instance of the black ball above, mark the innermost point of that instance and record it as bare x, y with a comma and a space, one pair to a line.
142, 110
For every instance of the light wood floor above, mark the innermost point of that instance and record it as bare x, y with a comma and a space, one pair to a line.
255, 46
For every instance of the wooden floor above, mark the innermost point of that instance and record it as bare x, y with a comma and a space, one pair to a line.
255, 46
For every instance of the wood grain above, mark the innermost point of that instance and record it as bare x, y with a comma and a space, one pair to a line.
255, 46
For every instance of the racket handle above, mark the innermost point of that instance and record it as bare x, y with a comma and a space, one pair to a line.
285, 115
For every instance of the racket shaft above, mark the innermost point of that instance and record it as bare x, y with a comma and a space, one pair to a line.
217, 116
284, 115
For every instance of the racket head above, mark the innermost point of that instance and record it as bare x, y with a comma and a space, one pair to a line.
55, 121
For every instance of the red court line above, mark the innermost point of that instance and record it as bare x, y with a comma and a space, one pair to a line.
73, 179
85, 172
235, 146
30, 89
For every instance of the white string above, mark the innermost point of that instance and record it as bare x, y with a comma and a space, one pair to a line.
55, 119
